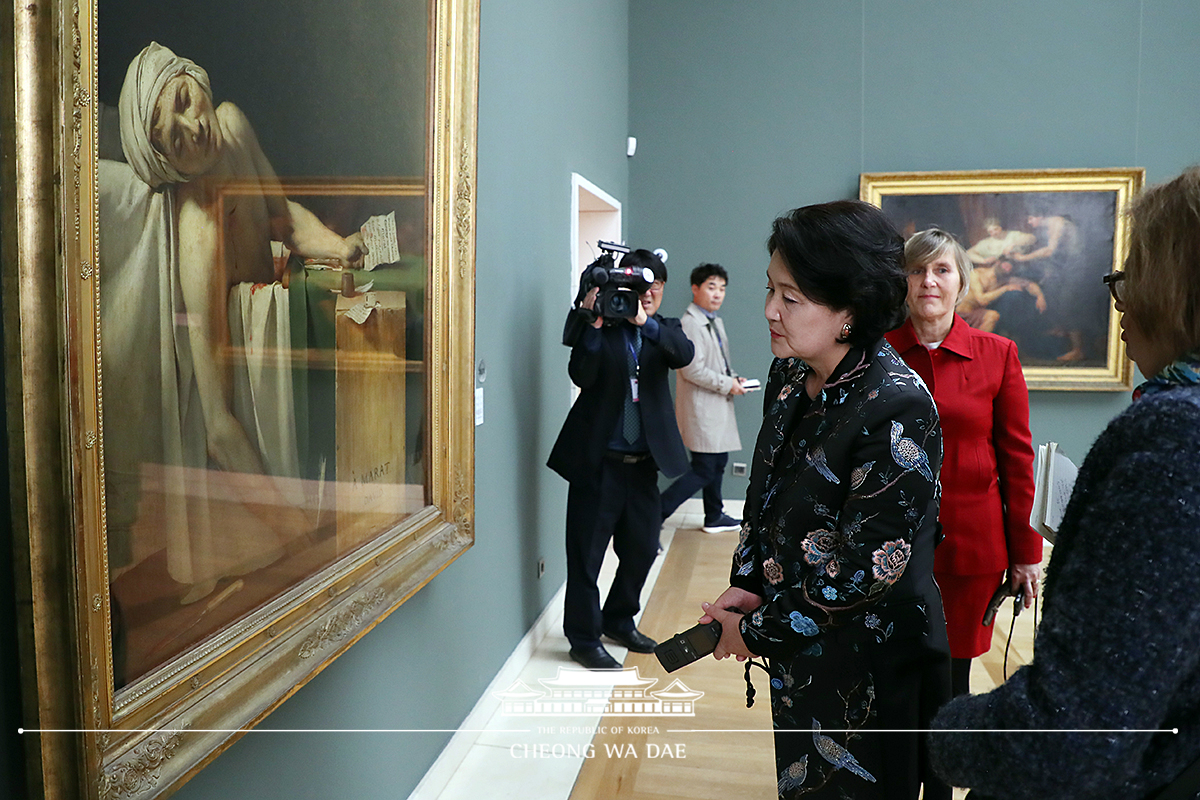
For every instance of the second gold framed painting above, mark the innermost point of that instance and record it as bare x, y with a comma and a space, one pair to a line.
1044, 239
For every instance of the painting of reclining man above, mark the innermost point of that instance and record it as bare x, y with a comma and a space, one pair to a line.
261, 336
1038, 259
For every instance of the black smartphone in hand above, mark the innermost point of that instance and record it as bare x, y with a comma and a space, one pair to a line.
691, 645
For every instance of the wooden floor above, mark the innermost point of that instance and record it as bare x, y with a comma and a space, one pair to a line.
725, 750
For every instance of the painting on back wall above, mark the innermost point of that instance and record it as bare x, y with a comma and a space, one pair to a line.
1040, 243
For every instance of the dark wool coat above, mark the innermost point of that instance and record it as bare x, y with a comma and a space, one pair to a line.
1119, 642
840, 528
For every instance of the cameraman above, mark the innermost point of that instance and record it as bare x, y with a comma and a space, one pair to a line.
619, 433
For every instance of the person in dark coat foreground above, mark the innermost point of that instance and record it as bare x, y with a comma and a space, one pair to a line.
1112, 696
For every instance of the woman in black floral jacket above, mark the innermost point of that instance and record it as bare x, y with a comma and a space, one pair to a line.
834, 570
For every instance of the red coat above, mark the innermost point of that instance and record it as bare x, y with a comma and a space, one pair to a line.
987, 469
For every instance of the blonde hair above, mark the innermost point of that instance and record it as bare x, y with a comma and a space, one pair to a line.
933, 243
1162, 274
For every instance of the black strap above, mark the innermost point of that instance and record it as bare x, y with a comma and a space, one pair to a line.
750, 662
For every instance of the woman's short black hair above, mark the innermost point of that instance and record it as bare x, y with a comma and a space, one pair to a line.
846, 255
646, 258
705, 271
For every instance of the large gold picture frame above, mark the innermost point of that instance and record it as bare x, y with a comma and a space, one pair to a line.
1052, 234
90, 733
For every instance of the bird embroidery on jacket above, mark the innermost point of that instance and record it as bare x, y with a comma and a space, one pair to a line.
793, 777
859, 474
909, 454
816, 457
837, 755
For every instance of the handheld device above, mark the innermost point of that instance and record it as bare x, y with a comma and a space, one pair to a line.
691, 645
1003, 591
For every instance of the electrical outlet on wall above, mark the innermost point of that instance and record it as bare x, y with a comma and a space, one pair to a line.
739, 469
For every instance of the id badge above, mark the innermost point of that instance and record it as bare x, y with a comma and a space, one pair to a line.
633, 388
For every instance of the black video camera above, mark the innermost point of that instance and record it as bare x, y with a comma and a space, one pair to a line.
621, 288
619, 296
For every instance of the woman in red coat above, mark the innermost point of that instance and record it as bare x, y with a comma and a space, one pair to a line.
987, 471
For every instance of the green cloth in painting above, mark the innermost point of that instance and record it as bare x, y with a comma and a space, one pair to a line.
313, 304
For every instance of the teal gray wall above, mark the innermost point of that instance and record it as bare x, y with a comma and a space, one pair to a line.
742, 111
553, 100
746, 110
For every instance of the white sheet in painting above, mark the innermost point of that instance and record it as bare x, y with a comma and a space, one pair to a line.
160, 490
383, 246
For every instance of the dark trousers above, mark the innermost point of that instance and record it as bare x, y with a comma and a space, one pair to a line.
706, 473
621, 504
960, 676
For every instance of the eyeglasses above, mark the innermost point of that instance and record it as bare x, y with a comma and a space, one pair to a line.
657, 287
1113, 281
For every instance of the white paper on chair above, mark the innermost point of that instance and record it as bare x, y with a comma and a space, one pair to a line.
1037, 515
383, 246
1060, 481
1053, 481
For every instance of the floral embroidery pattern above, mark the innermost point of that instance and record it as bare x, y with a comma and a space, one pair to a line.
803, 625
772, 571
890, 560
821, 549
873, 622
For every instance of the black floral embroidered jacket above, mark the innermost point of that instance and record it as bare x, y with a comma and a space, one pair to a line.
838, 538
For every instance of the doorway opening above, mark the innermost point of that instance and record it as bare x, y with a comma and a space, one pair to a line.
595, 216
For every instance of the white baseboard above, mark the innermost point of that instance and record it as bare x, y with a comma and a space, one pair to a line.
438, 776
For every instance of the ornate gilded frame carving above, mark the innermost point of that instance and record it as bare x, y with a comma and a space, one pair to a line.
146, 739
1012, 195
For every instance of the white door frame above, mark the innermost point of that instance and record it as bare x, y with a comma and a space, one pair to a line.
595, 215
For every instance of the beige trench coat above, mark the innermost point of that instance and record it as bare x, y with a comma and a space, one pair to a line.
703, 404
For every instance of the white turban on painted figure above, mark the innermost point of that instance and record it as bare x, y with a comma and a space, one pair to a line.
148, 73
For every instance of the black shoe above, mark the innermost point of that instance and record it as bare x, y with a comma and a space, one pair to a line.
722, 524
634, 639
594, 657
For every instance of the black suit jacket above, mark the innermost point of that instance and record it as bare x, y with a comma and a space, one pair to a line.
602, 376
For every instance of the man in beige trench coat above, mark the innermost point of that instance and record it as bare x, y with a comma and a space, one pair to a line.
704, 392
